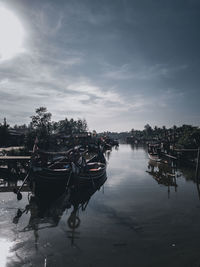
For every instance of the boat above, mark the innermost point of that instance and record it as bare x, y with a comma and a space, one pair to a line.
65, 172
50, 179
95, 171
51, 171
154, 157
92, 171
154, 152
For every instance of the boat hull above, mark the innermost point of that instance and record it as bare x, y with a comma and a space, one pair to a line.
154, 157
49, 181
96, 172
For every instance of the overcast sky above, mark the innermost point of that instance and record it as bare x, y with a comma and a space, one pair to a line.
117, 63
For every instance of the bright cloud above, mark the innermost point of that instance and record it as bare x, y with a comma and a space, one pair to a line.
11, 34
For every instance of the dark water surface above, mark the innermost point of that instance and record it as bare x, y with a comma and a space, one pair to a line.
131, 221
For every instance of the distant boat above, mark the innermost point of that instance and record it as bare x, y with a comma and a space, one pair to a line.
154, 157
153, 152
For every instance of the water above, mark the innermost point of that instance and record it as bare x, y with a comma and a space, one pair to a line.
131, 221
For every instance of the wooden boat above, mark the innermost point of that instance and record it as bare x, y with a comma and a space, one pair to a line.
93, 171
51, 177
64, 173
154, 157
154, 152
48, 177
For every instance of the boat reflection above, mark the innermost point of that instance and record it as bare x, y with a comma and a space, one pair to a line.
108, 152
164, 174
46, 211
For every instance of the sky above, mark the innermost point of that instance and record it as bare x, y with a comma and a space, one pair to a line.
119, 64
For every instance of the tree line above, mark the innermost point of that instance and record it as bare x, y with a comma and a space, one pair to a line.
185, 136
43, 127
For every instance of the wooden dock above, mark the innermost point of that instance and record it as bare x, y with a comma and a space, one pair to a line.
7, 189
15, 158
15, 163
10, 148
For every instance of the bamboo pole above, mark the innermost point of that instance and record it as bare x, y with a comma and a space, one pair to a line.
186, 149
197, 166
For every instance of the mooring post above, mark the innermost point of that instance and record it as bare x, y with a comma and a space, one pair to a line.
197, 166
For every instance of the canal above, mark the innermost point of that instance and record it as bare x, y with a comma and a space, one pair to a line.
143, 215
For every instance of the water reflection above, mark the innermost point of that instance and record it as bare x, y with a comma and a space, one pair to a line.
132, 216
138, 146
109, 152
46, 212
164, 174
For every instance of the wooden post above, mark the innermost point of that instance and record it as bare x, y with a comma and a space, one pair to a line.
197, 166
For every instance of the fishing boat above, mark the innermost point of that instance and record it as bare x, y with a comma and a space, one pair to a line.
66, 171
50, 179
93, 171
51, 171
154, 157
154, 152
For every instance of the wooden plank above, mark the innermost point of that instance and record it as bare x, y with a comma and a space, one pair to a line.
168, 156
11, 148
10, 188
7, 158
186, 150
197, 166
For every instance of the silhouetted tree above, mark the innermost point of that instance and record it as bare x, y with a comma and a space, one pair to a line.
4, 133
40, 126
41, 119
148, 130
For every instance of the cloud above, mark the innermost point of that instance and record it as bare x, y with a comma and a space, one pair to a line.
31, 80
89, 60
134, 71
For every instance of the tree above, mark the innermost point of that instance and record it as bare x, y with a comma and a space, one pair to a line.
4, 133
64, 126
70, 126
20, 127
41, 119
81, 126
40, 126
148, 130
132, 132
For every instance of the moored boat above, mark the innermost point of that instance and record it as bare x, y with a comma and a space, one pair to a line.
154, 152
154, 157
94, 172
45, 179
49, 175
66, 172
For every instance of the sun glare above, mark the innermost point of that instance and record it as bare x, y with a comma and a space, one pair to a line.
11, 34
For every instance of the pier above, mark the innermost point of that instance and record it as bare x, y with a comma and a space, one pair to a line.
15, 164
